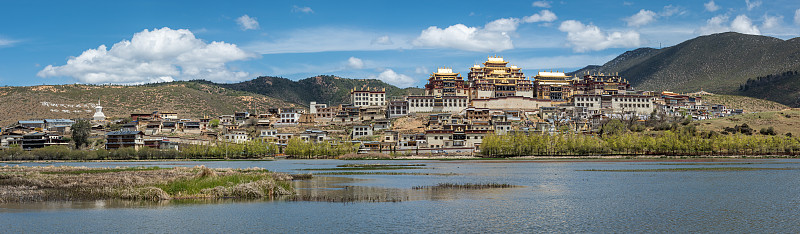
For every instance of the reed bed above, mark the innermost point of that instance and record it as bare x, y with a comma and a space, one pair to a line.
464, 186
28, 184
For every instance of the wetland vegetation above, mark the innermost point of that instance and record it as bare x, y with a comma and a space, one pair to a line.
27, 184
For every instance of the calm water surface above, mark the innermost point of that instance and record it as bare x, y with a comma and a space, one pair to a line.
554, 197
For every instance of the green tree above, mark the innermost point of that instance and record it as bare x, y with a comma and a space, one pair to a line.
214, 123
80, 133
612, 127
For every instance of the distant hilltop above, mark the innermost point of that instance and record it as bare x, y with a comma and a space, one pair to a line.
193, 99
718, 63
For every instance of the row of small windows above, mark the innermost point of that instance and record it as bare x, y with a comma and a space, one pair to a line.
615, 99
625, 105
367, 103
630, 99
369, 95
369, 99
451, 137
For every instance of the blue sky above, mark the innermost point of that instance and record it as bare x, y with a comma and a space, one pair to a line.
400, 42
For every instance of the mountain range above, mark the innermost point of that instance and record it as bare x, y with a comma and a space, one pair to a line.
727, 63
718, 63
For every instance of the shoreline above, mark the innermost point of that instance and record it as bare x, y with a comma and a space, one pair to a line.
458, 158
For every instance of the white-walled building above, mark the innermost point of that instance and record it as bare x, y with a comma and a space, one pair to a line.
368, 97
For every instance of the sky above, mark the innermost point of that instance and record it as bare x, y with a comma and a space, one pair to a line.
399, 42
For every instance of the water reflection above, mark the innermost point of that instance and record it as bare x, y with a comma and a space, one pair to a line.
554, 197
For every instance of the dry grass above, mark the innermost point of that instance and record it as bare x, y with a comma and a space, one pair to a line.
25, 184
747, 104
786, 121
409, 124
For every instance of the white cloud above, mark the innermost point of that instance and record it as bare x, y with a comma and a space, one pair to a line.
494, 36
421, 70
642, 18
714, 25
797, 17
382, 40
771, 22
391, 77
711, 6
310, 40
717, 24
247, 22
355, 63
751, 5
542, 16
6, 42
304, 9
503, 25
544, 4
584, 38
743, 24
152, 56
564, 61
670, 10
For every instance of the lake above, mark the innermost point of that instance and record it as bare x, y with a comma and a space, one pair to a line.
553, 196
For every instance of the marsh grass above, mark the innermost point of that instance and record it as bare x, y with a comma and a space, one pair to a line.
26, 184
193, 186
464, 186
694, 169
103, 170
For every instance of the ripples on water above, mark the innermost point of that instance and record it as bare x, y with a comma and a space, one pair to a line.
554, 197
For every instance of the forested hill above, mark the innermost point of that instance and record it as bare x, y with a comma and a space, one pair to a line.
331, 90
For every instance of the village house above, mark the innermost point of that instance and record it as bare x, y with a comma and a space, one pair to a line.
368, 97
237, 136
360, 131
124, 139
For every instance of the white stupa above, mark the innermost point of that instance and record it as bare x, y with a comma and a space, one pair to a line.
98, 113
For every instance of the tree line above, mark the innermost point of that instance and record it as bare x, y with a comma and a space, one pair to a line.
678, 142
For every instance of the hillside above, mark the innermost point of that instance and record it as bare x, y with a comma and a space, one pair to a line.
622, 62
188, 99
748, 104
717, 63
786, 121
330, 90
783, 88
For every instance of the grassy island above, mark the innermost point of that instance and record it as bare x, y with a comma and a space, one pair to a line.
30, 184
